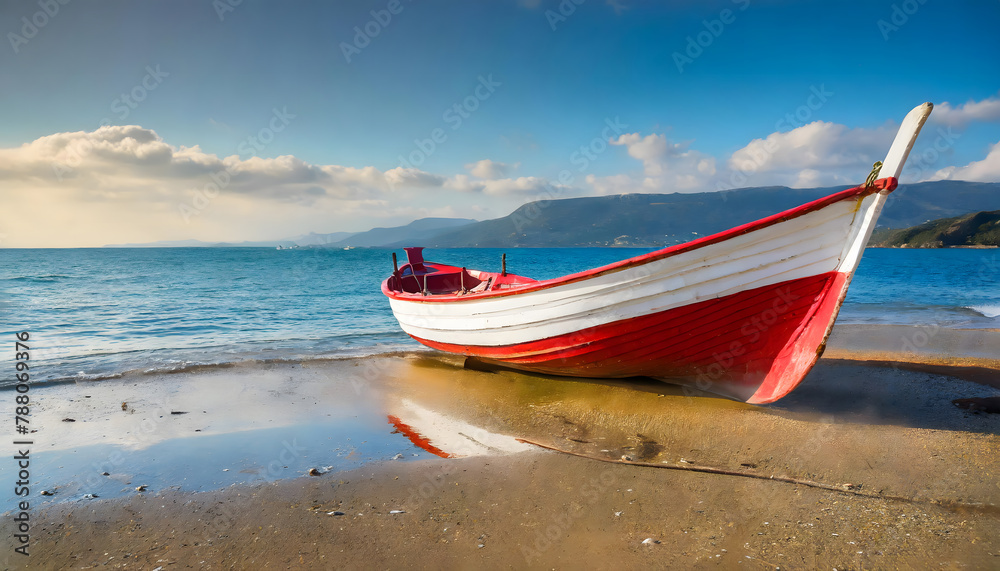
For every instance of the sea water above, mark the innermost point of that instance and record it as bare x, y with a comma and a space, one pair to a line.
94, 313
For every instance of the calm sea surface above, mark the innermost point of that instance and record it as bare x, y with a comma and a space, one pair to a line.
93, 313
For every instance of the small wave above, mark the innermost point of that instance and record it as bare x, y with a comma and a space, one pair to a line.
188, 366
986, 310
41, 279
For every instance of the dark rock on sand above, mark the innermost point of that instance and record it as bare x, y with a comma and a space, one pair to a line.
987, 404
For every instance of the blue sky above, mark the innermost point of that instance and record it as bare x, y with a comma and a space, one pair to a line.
551, 76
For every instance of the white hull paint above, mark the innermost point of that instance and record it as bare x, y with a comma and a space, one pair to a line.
830, 239
806, 246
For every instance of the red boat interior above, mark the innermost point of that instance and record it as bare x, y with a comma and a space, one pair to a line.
425, 278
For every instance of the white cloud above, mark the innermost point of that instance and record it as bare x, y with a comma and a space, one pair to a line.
462, 183
808, 178
987, 110
129, 158
986, 170
400, 176
667, 166
521, 186
815, 154
524, 185
614, 184
653, 150
126, 184
490, 170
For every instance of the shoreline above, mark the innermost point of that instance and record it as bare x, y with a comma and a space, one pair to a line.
225, 452
208, 367
916, 344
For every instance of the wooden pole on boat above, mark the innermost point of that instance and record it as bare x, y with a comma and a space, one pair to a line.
503, 264
395, 272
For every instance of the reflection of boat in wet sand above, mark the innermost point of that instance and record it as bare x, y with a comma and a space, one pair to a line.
744, 313
448, 437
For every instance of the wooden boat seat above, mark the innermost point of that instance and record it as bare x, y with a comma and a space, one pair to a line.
415, 257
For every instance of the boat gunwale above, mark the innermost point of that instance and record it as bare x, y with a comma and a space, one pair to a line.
887, 185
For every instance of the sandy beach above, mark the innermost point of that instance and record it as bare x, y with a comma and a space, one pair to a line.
263, 265
424, 463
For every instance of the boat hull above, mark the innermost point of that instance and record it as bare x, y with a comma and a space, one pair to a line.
746, 345
744, 313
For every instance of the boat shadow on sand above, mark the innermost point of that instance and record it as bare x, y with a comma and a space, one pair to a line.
836, 390
866, 427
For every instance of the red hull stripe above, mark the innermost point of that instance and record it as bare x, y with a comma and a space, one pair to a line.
746, 345
858, 192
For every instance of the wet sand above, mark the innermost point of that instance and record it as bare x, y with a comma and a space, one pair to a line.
929, 348
862, 466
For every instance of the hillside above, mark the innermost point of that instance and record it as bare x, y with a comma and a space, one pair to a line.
976, 229
662, 219
416, 231
913, 204
647, 220
319, 240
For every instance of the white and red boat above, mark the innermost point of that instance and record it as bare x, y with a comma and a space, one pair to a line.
744, 313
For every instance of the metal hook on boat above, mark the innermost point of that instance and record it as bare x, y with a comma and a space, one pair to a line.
873, 176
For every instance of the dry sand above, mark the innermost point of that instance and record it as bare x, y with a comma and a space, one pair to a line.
884, 471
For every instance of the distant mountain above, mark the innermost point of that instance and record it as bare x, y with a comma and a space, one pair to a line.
314, 239
164, 244
649, 220
252, 244
653, 220
414, 233
913, 204
976, 229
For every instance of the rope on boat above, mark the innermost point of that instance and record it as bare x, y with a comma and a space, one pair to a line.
843, 489
873, 176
